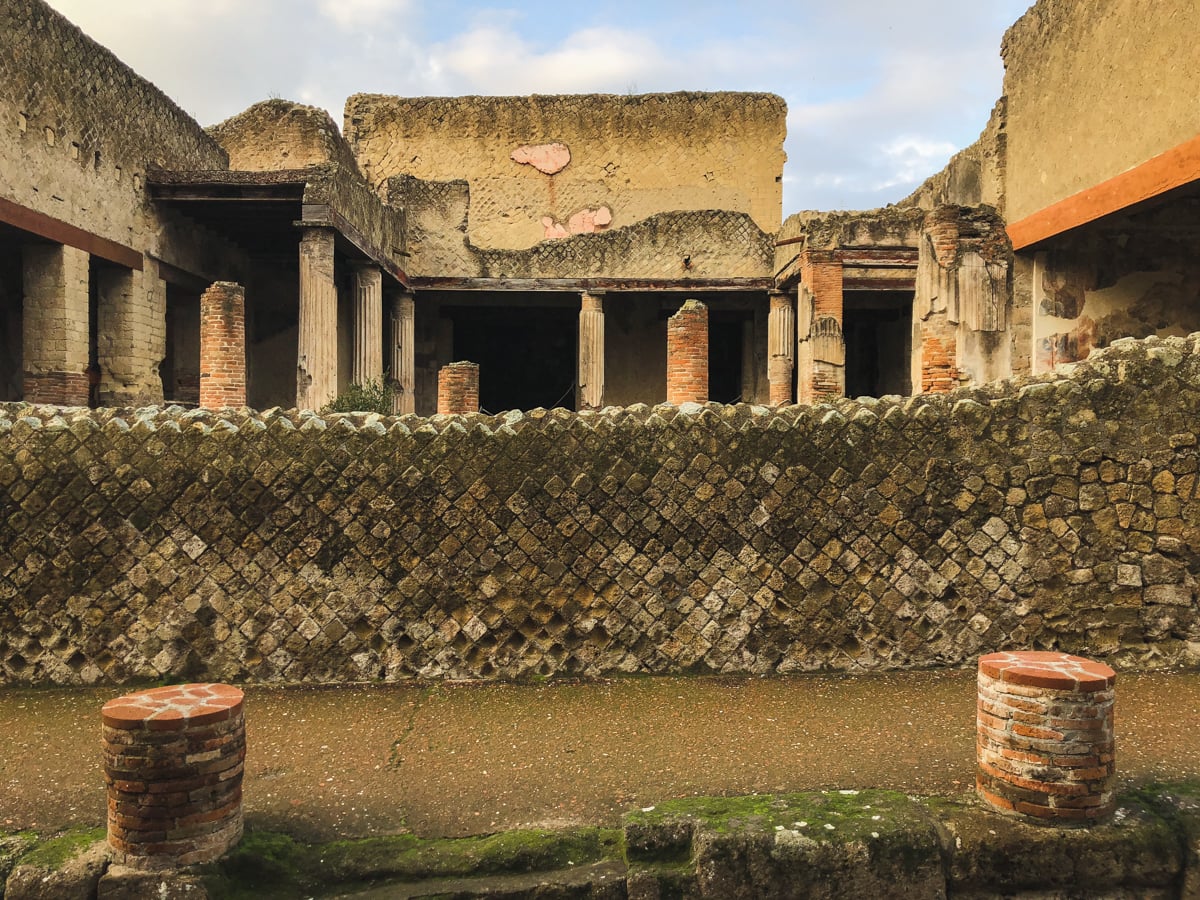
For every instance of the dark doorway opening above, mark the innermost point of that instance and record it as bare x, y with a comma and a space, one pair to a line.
12, 304
181, 367
877, 326
726, 343
526, 356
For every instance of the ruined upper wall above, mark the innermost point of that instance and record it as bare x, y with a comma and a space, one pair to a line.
279, 134
975, 175
78, 127
546, 166
1094, 88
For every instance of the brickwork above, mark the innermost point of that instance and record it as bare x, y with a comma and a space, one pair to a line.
223, 346
687, 354
821, 272
173, 762
458, 389
1044, 737
55, 324
1056, 511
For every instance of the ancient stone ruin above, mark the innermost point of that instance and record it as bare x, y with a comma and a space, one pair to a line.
706, 496
550, 239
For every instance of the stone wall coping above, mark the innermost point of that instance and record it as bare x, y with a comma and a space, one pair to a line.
969, 408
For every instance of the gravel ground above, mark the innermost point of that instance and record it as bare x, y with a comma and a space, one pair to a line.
457, 759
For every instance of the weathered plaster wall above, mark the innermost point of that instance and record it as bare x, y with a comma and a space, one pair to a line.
1127, 276
1095, 88
629, 157
80, 128
1060, 511
279, 134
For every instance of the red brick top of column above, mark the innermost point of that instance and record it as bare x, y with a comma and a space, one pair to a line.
1046, 669
173, 708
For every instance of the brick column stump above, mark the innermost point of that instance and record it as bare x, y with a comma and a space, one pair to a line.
1044, 737
458, 389
687, 354
223, 346
173, 761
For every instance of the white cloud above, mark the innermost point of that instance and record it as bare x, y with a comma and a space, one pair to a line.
495, 59
352, 14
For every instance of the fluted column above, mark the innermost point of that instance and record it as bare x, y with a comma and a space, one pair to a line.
316, 358
591, 352
781, 348
367, 360
401, 346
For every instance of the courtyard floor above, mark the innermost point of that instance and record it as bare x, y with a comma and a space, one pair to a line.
458, 759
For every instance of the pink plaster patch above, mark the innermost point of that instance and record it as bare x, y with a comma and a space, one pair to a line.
586, 221
547, 158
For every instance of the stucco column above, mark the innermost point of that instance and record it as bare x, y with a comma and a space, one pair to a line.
402, 353
55, 324
367, 364
781, 348
316, 357
591, 352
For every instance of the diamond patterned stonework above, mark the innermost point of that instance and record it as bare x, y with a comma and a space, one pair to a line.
1058, 512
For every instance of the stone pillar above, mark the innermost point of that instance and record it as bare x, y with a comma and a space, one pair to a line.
687, 354
131, 334
402, 350
1044, 737
591, 352
316, 358
367, 365
173, 763
55, 324
781, 348
223, 346
458, 389
821, 352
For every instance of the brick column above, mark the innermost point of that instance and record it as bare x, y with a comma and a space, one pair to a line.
591, 352
403, 362
223, 346
1044, 737
173, 763
687, 354
458, 389
781, 348
55, 324
316, 360
367, 365
821, 273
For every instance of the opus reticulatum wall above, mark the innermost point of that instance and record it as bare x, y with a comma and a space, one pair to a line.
1059, 511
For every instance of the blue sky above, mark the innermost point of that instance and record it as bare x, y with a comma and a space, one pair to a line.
879, 93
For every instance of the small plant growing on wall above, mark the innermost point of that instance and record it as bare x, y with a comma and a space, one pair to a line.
372, 396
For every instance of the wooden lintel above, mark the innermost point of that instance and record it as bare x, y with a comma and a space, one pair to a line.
321, 215
60, 232
592, 284
1173, 169
181, 277
856, 282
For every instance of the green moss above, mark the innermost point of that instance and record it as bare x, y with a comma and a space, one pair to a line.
53, 853
272, 865
895, 829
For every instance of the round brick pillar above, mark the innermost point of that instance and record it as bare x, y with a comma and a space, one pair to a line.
173, 760
1044, 737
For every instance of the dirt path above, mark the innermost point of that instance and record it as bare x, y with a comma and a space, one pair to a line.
463, 759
